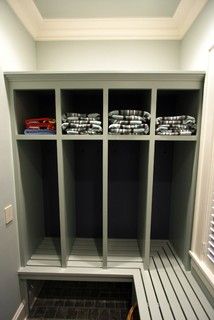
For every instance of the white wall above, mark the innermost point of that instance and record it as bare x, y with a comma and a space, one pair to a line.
198, 40
108, 55
17, 52
195, 56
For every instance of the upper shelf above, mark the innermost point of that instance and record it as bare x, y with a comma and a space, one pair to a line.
109, 138
53, 103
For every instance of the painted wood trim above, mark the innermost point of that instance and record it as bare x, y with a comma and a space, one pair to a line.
168, 28
211, 48
205, 171
203, 269
21, 312
186, 14
33, 79
201, 280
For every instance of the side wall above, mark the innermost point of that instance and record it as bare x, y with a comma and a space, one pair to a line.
195, 55
17, 52
198, 40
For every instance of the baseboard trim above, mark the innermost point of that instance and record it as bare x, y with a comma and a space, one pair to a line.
202, 279
20, 312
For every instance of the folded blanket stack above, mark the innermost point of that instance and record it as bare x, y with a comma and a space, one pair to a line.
40, 126
176, 125
129, 122
78, 123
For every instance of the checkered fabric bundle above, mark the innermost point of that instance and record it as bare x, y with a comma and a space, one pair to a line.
129, 122
78, 123
176, 125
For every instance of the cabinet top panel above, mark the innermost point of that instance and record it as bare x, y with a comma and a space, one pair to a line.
105, 76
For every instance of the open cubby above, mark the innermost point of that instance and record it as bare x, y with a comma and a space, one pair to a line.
39, 201
123, 99
173, 194
178, 102
82, 101
33, 104
83, 198
128, 99
127, 183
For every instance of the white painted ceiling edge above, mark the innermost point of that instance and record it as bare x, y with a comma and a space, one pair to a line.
164, 28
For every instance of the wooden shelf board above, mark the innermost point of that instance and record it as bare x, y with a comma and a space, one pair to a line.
124, 250
121, 137
175, 138
81, 137
35, 137
47, 253
86, 249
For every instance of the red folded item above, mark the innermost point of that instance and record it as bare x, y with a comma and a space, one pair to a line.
40, 123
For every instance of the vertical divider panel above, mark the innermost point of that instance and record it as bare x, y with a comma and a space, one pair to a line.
191, 208
191, 205
63, 239
153, 112
105, 177
190, 213
182, 192
24, 255
147, 232
105, 113
58, 111
143, 177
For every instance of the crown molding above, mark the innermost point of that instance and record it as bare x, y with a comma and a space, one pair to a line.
166, 28
29, 15
186, 14
211, 48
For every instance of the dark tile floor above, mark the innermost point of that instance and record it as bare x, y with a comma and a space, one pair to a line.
82, 300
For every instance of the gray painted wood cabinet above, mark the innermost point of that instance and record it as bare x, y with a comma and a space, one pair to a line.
99, 200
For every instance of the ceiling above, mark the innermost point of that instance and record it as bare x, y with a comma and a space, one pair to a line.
54, 9
48, 20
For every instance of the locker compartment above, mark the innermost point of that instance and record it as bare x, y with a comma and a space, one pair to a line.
83, 200
128, 162
39, 202
173, 194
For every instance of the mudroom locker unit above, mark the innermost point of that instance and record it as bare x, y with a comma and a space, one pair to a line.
99, 200
103, 201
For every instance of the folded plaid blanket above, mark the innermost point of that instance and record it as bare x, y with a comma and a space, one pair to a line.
176, 125
77, 123
129, 122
